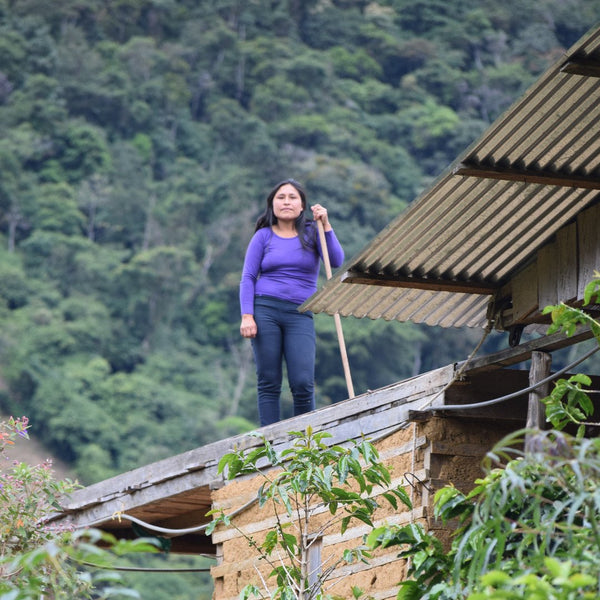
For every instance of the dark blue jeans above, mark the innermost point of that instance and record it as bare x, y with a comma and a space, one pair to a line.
283, 333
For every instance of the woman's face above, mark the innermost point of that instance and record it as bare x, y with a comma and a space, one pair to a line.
287, 203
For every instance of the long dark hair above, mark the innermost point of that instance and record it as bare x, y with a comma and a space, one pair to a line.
268, 218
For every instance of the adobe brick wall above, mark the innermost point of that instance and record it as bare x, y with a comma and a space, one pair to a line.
435, 452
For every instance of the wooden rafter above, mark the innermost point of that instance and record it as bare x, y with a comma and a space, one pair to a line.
420, 283
527, 176
582, 66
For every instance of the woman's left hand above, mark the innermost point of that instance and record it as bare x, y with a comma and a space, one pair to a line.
320, 214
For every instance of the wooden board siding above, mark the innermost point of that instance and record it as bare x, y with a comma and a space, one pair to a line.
547, 275
588, 231
561, 270
525, 293
566, 284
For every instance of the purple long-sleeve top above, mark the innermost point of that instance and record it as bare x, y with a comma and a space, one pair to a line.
282, 268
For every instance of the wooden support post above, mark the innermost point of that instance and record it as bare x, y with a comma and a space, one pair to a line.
536, 418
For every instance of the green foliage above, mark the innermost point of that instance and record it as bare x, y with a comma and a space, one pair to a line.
349, 482
567, 319
527, 529
568, 402
530, 527
138, 143
37, 560
430, 565
138, 140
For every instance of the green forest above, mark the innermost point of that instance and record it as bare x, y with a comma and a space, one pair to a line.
139, 139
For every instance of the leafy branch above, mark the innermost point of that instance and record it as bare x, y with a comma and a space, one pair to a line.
38, 561
311, 478
530, 528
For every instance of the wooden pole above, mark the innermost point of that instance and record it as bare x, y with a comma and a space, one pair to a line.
336, 316
540, 369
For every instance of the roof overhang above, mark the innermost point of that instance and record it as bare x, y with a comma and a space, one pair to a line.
443, 260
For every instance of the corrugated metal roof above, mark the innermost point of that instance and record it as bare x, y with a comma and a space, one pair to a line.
485, 217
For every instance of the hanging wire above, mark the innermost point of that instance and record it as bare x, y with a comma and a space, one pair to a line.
145, 569
172, 532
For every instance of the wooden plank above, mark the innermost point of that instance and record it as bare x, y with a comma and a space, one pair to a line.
566, 244
513, 356
547, 273
495, 413
365, 414
527, 176
588, 228
403, 448
541, 363
588, 67
525, 293
419, 283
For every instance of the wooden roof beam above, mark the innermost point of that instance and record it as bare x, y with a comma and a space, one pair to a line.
516, 354
527, 176
582, 66
420, 283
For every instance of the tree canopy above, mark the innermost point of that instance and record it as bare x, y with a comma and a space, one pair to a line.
138, 143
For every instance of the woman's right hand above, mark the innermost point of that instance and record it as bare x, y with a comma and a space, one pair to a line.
248, 327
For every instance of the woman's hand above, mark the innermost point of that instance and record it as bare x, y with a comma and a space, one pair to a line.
248, 328
320, 214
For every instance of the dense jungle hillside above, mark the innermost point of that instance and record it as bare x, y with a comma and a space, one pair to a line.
139, 139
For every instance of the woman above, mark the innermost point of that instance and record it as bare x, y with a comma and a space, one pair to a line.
280, 272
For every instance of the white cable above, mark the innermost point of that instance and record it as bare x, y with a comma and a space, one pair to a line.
520, 392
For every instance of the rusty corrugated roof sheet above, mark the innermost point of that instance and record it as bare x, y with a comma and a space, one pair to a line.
482, 221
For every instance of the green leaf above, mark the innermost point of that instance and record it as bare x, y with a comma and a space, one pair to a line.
403, 496
409, 590
591, 292
343, 469
391, 499
225, 460
249, 591
344, 524
270, 542
289, 542
210, 528
496, 578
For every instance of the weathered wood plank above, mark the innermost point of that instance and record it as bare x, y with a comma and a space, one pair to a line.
541, 363
527, 176
588, 228
517, 354
525, 293
419, 283
547, 273
458, 450
487, 413
403, 448
566, 243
